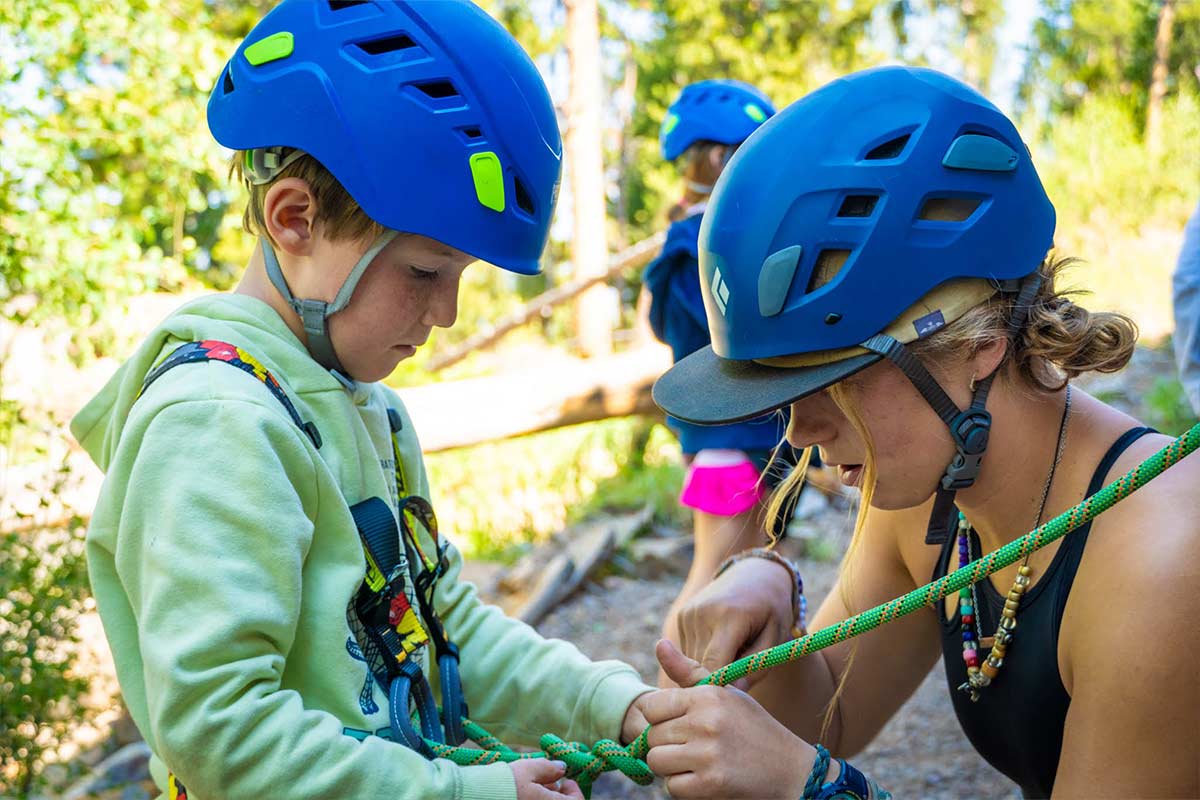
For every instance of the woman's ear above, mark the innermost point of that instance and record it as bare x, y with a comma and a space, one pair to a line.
290, 212
987, 359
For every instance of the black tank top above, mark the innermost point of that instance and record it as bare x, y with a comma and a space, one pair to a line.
1017, 723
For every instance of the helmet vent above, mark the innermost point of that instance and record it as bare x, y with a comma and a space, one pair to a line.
227, 84
523, 197
829, 264
438, 89
389, 44
339, 5
471, 133
858, 205
889, 149
949, 209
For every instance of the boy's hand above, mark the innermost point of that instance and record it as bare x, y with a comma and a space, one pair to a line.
542, 779
635, 721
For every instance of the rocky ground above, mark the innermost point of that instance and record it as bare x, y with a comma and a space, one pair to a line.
920, 754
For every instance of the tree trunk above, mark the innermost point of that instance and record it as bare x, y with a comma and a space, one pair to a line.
1158, 78
595, 310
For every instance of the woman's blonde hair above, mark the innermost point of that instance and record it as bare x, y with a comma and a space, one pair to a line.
1058, 341
340, 216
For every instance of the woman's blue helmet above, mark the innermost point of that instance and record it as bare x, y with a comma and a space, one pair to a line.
429, 114
869, 214
721, 111
900, 178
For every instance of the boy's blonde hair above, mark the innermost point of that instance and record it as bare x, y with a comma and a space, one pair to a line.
339, 215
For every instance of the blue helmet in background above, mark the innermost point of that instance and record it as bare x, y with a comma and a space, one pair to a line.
429, 114
722, 111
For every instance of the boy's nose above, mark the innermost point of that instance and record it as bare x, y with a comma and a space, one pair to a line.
443, 306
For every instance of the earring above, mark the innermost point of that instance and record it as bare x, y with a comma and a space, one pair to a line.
972, 385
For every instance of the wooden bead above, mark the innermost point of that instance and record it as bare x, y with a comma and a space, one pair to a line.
1026, 571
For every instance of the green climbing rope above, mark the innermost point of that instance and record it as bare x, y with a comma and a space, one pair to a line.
585, 764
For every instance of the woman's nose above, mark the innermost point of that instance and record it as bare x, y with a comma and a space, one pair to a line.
810, 423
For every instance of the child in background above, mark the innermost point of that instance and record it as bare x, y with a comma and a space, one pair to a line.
264, 555
722, 486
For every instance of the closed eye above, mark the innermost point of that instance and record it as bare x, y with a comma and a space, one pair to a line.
423, 274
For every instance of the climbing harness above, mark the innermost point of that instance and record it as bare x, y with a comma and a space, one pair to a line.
384, 580
388, 630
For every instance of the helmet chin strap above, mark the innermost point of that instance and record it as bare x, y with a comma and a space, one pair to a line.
970, 428
314, 314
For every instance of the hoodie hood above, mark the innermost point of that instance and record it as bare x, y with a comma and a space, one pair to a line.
238, 319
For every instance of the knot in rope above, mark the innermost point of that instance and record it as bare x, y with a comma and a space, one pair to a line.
585, 764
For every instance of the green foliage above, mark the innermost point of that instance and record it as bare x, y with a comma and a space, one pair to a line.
43, 583
495, 498
109, 182
1120, 208
1167, 407
1086, 48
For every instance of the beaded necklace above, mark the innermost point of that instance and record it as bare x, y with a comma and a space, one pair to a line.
979, 676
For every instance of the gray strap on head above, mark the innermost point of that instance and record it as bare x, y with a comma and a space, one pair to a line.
969, 428
314, 313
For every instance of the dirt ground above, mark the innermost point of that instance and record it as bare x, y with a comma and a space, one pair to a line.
921, 753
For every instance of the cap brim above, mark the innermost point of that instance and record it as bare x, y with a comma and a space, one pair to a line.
706, 389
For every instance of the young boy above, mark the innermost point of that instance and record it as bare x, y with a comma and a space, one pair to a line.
272, 625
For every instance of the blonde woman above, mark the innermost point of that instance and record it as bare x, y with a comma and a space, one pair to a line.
877, 259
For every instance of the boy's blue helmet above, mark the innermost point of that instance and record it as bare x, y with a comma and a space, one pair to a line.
819, 236
429, 114
722, 111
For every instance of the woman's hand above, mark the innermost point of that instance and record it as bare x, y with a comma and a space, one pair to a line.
747, 609
542, 779
716, 741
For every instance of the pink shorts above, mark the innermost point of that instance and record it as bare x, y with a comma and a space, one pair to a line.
722, 482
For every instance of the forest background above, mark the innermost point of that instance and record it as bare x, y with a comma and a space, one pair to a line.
115, 205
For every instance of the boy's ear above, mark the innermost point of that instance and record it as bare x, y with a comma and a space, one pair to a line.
290, 213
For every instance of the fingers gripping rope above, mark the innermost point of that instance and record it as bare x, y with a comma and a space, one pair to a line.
584, 765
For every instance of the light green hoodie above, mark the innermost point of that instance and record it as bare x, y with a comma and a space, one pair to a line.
222, 555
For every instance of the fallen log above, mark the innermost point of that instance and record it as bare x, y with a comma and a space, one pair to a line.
555, 394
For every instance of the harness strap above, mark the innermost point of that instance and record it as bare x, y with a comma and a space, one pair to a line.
213, 350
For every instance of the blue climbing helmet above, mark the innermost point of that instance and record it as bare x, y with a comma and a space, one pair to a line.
722, 111
872, 212
429, 114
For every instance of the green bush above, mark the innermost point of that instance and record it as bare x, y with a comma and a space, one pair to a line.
496, 499
43, 585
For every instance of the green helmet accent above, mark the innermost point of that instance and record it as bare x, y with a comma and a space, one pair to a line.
755, 113
489, 180
669, 123
274, 47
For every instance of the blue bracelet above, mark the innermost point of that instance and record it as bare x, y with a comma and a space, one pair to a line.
851, 784
817, 776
